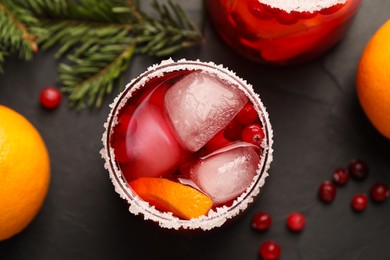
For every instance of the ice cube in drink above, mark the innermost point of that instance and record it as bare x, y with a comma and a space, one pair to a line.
169, 150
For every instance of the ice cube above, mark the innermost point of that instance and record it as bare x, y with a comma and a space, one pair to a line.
227, 173
199, 106
152, 149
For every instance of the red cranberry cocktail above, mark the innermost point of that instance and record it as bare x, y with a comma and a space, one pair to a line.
282, 31
188, 145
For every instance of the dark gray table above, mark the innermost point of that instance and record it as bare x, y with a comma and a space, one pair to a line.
318, 126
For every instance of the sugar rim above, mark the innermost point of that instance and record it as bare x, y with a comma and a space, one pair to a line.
166, 219
302, 5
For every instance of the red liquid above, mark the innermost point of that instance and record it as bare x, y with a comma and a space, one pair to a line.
146, 143
272, 35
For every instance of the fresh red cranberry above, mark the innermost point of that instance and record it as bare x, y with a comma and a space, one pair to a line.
296, 222
217, 142
50, 97
332, 9
247, 114
327, 192
286, 18
269, 250
340, 176
258, 10
233, 131
261, 221
358, 169
359, 202
379, 192
253, 134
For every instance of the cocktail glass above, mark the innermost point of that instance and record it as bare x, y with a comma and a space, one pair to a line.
177, 123
282, 31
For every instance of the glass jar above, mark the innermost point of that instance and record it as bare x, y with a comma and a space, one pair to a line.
282, 32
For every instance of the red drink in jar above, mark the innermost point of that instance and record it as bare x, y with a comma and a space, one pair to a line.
188, 145
282, 31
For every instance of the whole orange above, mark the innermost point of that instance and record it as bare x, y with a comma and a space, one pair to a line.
373, 80
24, 172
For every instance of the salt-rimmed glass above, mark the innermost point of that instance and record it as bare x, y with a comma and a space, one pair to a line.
282, 31
217, 217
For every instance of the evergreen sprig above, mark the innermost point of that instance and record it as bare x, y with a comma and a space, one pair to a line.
99, 38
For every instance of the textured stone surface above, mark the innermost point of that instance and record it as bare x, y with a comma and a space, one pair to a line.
318, 126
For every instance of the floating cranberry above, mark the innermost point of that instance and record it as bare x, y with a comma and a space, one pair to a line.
269, 250
379, 192
247, 115
259, 11
340, 176
253, 134
233, 131
359, 202
286, 18
358, 169
296, 222
50, 97
261, 221
332, 9
327, 192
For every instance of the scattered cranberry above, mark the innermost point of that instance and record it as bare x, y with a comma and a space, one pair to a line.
269, 250
253, 134
332, 9
340, 176
286, 18
296, 222
379, 192
327, 192
50, 97
358, 169
359, 202
261, 221
247, 114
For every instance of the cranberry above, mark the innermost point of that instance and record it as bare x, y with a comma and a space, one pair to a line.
253, 134
327, 192
332, 9
261, 221
50, 97
359, 202
379, 192
296, 221
340, 176
358, 169
259, 11
286, 18
233, 131
247, 114
269, 250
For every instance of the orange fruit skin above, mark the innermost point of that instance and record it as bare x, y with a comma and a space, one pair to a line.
373, 80
168, 196
24, 172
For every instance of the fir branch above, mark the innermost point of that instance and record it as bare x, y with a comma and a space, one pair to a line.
97, 38
15, 34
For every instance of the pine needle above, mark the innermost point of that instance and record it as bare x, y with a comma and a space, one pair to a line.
96, 38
